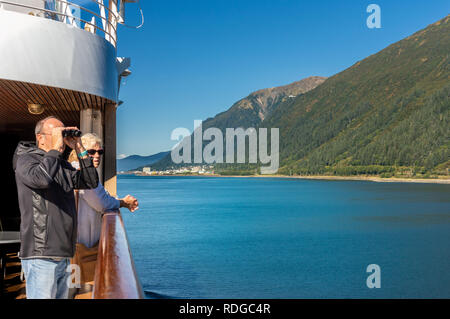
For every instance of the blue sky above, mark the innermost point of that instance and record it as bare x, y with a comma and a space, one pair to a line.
194, 59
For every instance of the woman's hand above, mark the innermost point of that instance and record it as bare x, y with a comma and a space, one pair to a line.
129, 202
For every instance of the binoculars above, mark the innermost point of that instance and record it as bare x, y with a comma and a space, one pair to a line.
71, 133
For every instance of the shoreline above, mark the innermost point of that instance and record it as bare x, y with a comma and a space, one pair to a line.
368, 178
328, 177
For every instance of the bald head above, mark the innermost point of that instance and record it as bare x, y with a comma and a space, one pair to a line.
43, 132
40, 125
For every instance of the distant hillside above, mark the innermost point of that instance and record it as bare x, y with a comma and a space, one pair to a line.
135, 161
253, 109
387, 113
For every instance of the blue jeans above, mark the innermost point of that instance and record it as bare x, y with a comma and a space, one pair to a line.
46, 278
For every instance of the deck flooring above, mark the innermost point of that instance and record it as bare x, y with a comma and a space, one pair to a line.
14, 287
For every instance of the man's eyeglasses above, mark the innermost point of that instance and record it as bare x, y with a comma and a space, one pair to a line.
92, 152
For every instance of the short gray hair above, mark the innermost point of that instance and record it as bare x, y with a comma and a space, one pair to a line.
41, 123
89, 140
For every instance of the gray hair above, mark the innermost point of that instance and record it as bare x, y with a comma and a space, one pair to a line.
41, 123
89, 140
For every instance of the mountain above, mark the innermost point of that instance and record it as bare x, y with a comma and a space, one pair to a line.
135, 161
253, 109
386, 114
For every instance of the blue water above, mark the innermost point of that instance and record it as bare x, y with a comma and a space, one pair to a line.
207, 237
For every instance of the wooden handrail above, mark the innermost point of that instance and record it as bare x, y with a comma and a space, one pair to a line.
115, 275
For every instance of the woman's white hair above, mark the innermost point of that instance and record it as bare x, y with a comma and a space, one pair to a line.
89, 140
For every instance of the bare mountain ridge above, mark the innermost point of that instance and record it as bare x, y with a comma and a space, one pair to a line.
257, 106
267, 99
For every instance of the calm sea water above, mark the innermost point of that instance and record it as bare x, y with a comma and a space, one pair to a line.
207, 237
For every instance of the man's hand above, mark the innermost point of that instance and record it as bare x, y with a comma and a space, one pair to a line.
129, 202
57, 139
72, 142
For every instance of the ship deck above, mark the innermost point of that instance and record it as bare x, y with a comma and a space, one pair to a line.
14, 287
77, 79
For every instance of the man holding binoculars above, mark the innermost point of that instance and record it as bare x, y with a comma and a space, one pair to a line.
45, 184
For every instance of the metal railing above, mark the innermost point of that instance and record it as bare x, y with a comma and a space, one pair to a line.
115, 275
110, 29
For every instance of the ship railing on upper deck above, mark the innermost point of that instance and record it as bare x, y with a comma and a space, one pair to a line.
115, 275
61, 10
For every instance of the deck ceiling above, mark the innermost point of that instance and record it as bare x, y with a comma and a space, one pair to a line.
65, 104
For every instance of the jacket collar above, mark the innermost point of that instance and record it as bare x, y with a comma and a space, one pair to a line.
26, 147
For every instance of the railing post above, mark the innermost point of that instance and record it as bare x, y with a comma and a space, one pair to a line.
112, 21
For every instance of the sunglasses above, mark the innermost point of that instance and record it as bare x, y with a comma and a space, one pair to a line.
92, 152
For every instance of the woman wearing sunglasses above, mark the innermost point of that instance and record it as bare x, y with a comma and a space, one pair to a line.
91, 203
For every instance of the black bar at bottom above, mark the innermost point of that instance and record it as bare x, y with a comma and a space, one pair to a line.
247, 308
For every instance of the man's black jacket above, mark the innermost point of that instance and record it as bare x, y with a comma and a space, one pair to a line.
45, 184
